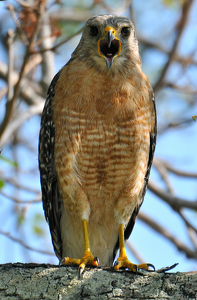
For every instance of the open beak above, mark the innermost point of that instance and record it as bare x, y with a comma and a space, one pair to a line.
109, 47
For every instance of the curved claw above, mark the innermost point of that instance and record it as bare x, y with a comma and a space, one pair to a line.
136, 268
123, 262
87, 259
97, 261
61, 262
151, 266
116, 263
80, 271
94, 262
165, 269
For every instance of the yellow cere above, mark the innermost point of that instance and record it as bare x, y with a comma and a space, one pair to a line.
110, 28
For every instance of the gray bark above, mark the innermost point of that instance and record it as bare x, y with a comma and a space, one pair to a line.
34, 281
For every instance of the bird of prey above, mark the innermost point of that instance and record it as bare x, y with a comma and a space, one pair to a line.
96, 146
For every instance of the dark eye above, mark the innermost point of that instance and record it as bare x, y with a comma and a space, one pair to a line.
93, 30
125, 31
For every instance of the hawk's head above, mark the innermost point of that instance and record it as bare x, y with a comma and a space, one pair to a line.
108, 42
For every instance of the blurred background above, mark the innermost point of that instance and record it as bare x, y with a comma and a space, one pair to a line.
36, 39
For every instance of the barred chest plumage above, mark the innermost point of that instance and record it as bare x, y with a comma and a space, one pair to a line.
107, 161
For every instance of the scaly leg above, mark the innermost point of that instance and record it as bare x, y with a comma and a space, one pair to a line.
88, 258
123, 261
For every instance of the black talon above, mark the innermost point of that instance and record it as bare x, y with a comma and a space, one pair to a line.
136, 268
172, 267
80, 271
152, 266
116, 263
165, 269
97, 259
61, 263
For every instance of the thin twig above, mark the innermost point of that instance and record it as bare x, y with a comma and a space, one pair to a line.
16, 200
15, 183
193, 237
178, 125
187, 223
19, 120
176, 171
18, 24
23, 3
32, 94
164, 174
59, 44
10, 104
178, 58
186, 6
164, 232
135, 252
181, 89
10, 35
175, 202
3, 91
8, 235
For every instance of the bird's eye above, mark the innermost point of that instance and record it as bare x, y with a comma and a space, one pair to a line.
125, 32
93, 30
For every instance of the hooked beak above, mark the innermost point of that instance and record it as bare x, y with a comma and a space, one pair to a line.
109, 47
109, 37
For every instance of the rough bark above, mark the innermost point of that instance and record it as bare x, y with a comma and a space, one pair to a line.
33, 281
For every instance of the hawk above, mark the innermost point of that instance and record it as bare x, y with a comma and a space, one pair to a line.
96, 146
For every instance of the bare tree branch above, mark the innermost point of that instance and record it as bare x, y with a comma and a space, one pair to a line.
190, 60
135, 252
10, 35
59, 44
170, 168
186, 7
8, 235
178, 125
18, 185
175, 202
16, 200
10, 103
18, 121
18, 25
32, 94
164, 232
48, 56
164, 174
188, 224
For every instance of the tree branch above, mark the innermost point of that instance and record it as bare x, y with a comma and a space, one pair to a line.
18, 121
164, 232
41, 281
170, 168
16, 200
8, 235
10, 103
186, 6
175, 202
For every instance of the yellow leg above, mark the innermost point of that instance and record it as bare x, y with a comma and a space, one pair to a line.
88, 258
123, 261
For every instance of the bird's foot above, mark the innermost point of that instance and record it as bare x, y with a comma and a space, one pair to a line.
123, 262
87, 259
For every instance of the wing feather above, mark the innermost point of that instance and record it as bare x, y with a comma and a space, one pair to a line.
51, 198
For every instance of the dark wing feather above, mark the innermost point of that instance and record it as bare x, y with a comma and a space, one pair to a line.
134, 215
50, 192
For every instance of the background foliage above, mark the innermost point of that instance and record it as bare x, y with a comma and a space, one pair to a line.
37, 39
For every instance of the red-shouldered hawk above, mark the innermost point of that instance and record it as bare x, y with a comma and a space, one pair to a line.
97, 140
